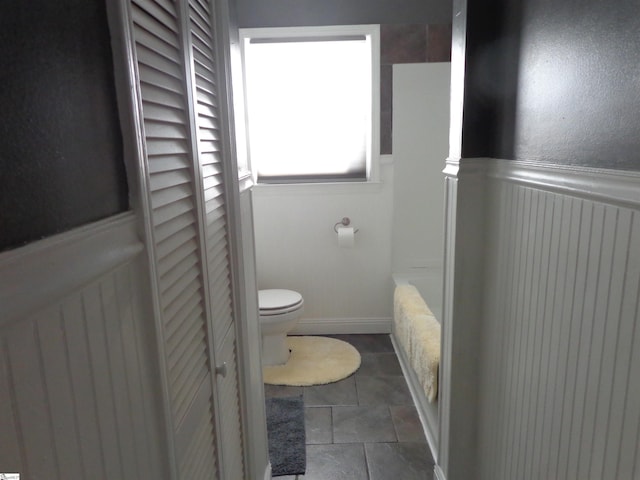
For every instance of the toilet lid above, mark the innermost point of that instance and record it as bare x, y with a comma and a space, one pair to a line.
277, 299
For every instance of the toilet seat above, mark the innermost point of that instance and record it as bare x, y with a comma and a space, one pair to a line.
278, 301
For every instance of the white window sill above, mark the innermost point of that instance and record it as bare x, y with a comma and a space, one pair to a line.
270, 189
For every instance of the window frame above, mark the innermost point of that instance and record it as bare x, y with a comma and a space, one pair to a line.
372, 32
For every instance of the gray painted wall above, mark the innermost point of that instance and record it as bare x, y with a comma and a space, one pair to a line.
61, 152
553, 81
283, 13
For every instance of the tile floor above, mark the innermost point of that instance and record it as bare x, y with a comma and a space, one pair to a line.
364, 427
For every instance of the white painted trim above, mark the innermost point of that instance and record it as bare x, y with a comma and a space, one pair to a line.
620, 187
438, 472
330, 326
386, 159
245, 180
419, 398
267, 472
301, 189
34, 276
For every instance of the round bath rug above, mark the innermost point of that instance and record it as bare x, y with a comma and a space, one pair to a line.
314, 361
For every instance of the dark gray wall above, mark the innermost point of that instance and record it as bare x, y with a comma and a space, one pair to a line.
284, 13
554, 81
61, 160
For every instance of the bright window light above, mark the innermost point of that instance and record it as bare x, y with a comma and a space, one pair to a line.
309, 108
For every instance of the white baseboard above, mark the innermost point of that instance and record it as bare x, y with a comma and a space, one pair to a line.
331, 326
438, 473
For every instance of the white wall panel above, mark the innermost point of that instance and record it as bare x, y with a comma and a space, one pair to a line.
75, 396
420, 144
559, 385
297, 248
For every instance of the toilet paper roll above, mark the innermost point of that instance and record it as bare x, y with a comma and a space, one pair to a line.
346, 237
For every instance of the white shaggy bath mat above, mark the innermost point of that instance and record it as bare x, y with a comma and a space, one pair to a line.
314, 361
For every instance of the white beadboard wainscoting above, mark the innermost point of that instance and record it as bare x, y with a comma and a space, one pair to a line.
77, 396
560, 383
345, 290
557, 322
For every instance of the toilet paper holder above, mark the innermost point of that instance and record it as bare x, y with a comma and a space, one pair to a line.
345, 222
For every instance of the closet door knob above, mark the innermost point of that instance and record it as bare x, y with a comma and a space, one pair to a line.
222, 370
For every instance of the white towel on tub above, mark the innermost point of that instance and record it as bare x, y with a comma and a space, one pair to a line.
425, 351
419, 334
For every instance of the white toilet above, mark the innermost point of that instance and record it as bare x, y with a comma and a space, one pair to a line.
280, 311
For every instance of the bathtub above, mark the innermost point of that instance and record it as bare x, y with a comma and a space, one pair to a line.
429, 284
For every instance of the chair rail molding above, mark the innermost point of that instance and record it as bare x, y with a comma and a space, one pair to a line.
621, 187
38, 274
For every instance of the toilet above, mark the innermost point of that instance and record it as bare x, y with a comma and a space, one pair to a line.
280, 311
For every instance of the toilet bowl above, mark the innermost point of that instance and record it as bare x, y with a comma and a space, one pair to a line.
280, 311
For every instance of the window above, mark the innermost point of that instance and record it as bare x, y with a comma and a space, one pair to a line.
312, 103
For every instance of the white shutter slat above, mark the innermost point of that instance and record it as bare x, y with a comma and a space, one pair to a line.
168, 212
169, 146
163, 12
165, 195
152, 59
200, 31
174, 310
175, 241
164, 97
183, 337
173, 292
215, 204
217, 251
162, 114
212, 170
176, 275
203, 61
150, 76
208, 123
165, 230
158, 44
213, 185
203, 12
165, 180
166, 163
213, 136
184, 394
198, 462
206, 110
189, 311
208, 146
188, 365
180, 253
206, 86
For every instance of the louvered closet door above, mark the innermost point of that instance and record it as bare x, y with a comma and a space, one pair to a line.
177, 237
206, 93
